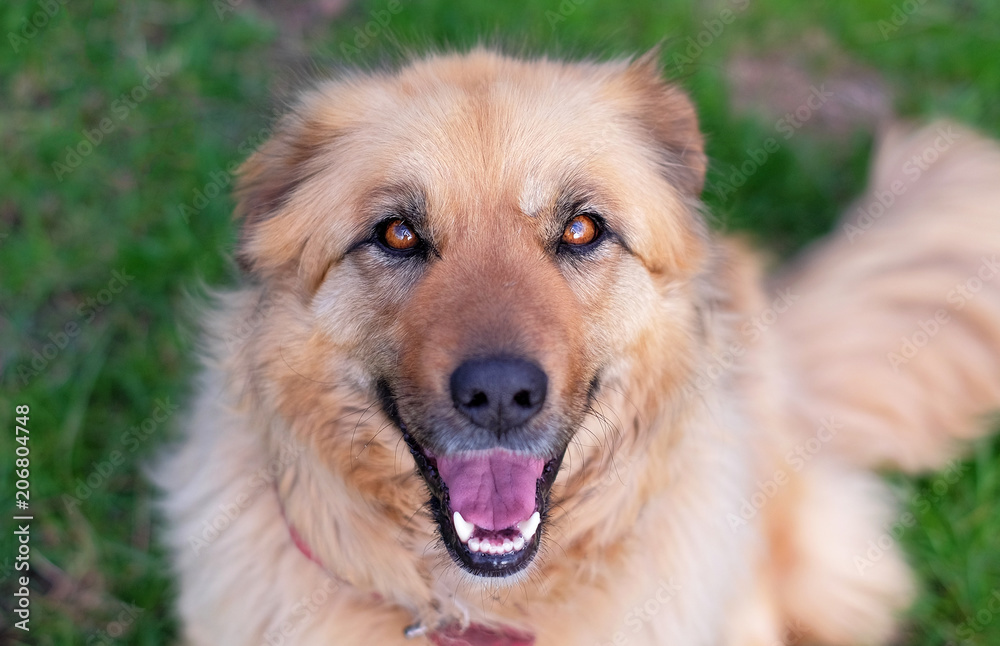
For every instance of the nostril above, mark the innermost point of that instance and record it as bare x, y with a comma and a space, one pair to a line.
498, 393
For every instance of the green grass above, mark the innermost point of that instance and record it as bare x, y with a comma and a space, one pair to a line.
120, 210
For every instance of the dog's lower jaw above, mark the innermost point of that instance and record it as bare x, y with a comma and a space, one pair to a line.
512, 549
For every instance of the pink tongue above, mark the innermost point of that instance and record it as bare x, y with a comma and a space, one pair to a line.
491, 489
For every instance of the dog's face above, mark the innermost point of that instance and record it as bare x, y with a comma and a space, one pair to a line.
477, 244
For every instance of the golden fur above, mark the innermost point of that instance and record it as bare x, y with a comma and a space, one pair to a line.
699, 410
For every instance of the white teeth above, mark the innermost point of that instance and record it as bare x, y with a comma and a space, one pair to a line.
529, 526
484, 546
463, 528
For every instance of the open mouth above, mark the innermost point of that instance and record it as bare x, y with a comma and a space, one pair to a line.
490, 505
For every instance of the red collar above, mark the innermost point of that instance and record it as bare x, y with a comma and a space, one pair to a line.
477, 635
450, 635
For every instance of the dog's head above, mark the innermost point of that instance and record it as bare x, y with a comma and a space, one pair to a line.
477, 244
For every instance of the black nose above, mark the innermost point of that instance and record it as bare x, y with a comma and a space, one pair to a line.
498, 393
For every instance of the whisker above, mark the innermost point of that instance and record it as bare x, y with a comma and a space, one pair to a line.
299, 374
613, 431
628, 400
354, 432
395, 462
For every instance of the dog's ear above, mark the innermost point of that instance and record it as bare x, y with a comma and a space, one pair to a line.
667, 114
267, 181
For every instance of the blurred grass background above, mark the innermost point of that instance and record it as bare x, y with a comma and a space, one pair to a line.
102, 357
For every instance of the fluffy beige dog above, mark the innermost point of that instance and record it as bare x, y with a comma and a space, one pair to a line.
491, 379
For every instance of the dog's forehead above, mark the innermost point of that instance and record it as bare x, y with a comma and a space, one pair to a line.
503, 148
509, 134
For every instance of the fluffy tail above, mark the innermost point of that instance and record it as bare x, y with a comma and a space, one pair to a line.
896, 330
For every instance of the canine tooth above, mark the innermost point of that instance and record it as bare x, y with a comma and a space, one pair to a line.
508, 545
463, 528
529, 526
474, 544
518, 542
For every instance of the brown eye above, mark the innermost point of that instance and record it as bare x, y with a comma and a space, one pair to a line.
398, 235
581, 230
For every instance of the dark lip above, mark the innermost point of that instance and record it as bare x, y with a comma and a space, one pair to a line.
485, 565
